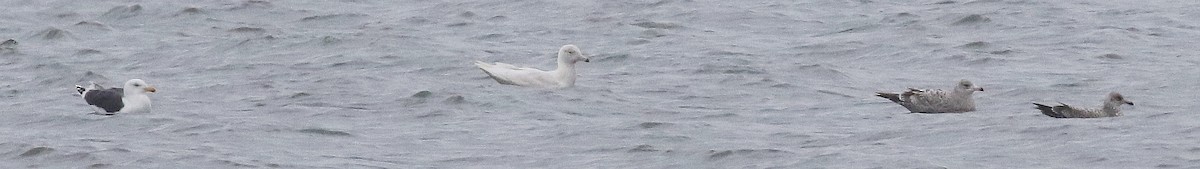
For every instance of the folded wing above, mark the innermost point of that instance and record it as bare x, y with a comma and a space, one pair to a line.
513, 75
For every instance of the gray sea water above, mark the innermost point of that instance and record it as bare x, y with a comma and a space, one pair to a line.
671, 84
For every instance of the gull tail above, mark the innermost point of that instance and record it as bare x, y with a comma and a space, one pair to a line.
890, 96
487, 70
1048, 111
80, 89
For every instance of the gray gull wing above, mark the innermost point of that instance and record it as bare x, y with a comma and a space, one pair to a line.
1066, 111
1050, 110
107, 99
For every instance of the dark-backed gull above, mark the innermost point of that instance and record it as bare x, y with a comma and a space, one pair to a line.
118, 100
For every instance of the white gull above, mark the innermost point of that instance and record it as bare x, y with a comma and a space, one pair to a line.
561, 77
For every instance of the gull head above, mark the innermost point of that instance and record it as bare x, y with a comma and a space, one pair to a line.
1115, 98
139, 85
966, 86
571, 54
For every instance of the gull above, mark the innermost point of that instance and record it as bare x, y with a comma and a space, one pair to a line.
936, 101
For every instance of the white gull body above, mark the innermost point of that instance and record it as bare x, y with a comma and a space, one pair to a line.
561, 77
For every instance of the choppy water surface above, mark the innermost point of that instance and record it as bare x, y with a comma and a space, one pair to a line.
672, 84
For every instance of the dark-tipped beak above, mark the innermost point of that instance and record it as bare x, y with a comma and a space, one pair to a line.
587, 59
1129, 103
151, 89
979, 89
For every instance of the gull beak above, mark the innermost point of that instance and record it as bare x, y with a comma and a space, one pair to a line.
586, 59
979, 89
150, 89
1129, 103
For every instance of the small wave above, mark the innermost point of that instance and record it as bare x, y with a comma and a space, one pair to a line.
456, 99
326, 40
84, 52
326, 132
645, 148
658, 25
419, 21
1053, 129
498, 18
95, 25
822, 72
248, 30
100, 165
252, 4
90, 76
495, 37
357, 63
458, 24
191, 11
52, 34
431, 114
8, 47
422, 97
972, 19
903, 18
122, 12
791, 135
299, 95
200, 129
467, 14
860, 29
650, 125
36, 151
724, 53
729, 69
715, 154
976, 45
236, 164
885, 135
422, 94
611, 57
653, 33
638, 41
1111, 56
343, 16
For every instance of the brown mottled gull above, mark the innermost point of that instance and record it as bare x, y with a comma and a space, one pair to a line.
936, 101
1111, 108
